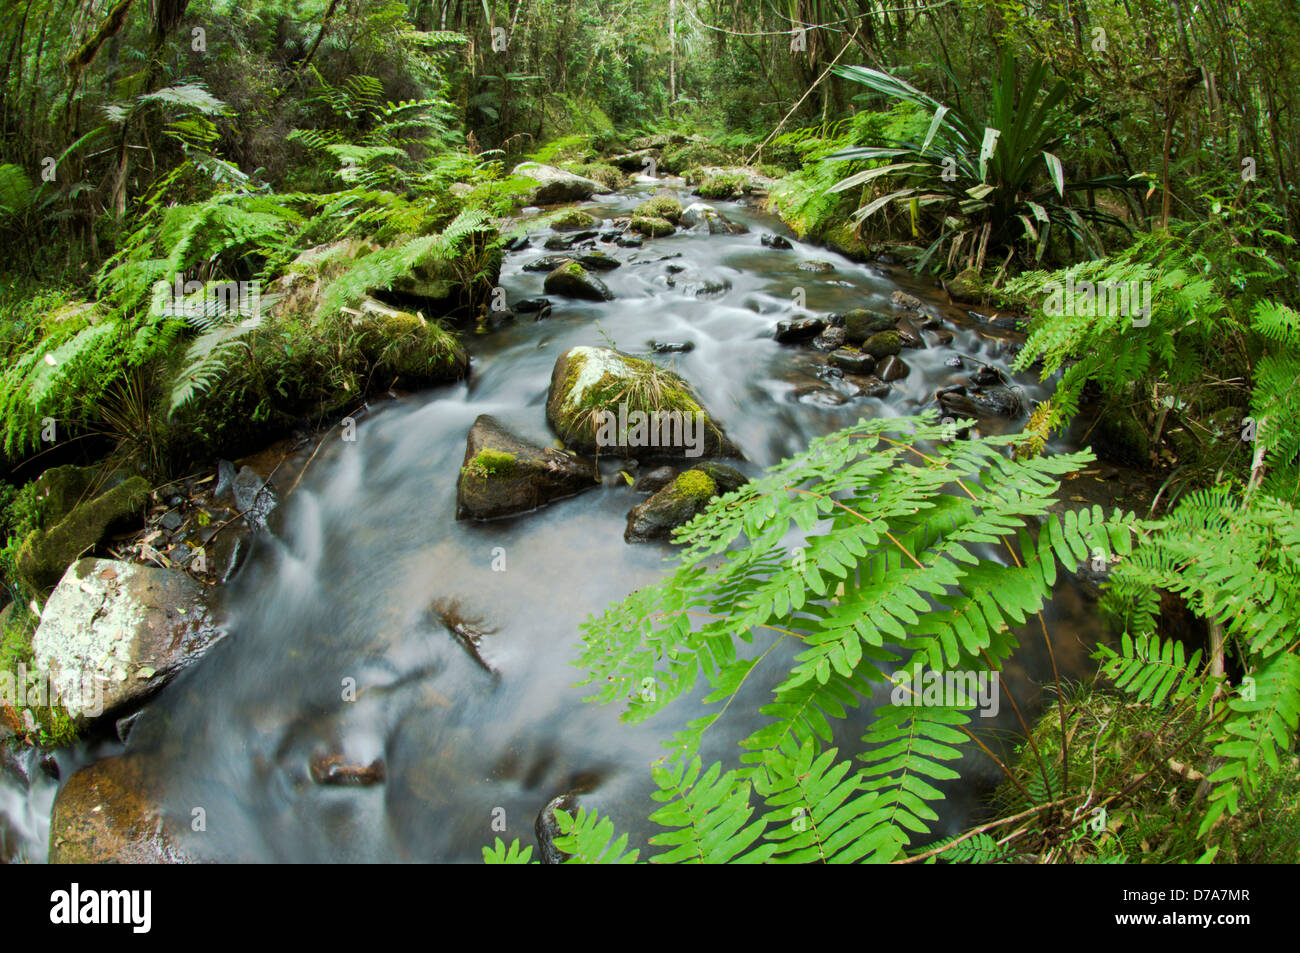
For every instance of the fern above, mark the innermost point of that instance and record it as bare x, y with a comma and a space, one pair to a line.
918, 555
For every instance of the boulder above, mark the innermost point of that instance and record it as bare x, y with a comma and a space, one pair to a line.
965, 288
852, 360
883, 344
603, 399
555, 186
106, 814
547, 828
664, 207
816, 266
727, 478
991, 402
655, 480
798, 329
860, 324
573, 281
47, 552
573, 220
830, 339
547, 263
771, 240
906, 302
597, 261
405, 346
892, 368
675, 505
909, 333
504, 474
652, 226
113, 633
700, 214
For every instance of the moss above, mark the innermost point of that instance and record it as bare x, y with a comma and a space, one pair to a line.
492, 463
677, 159
1119, 438
844, 239
53, 726
572, 219
652, 227
883, 344
661, 206
722, 185
695, 484
46, 553
607, 175
645, 387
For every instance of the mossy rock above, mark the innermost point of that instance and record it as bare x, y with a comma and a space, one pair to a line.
862, 323
1119, 438
603, 400
571, 280
572, 220
966, 287
404, 345
660, 206
606, 174
883, 344
676, 159
673, 506
59, 489
503, 474
844, 240
46, 553
721, 185
651, 227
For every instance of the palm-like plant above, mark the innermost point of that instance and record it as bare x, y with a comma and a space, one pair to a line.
992, 182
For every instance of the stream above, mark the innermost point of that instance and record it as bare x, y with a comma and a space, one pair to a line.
368, 541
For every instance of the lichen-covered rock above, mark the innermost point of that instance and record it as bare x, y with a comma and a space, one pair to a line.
816, 266
861, 323
107, 814
602, 400
113, 633
47, 552
573, 281
503, 474
556, 186
906, 302
675, 505
830, 339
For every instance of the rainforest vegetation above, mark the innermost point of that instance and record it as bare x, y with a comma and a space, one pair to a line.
231, 224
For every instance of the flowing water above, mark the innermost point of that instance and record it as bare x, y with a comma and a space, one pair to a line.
341, 594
